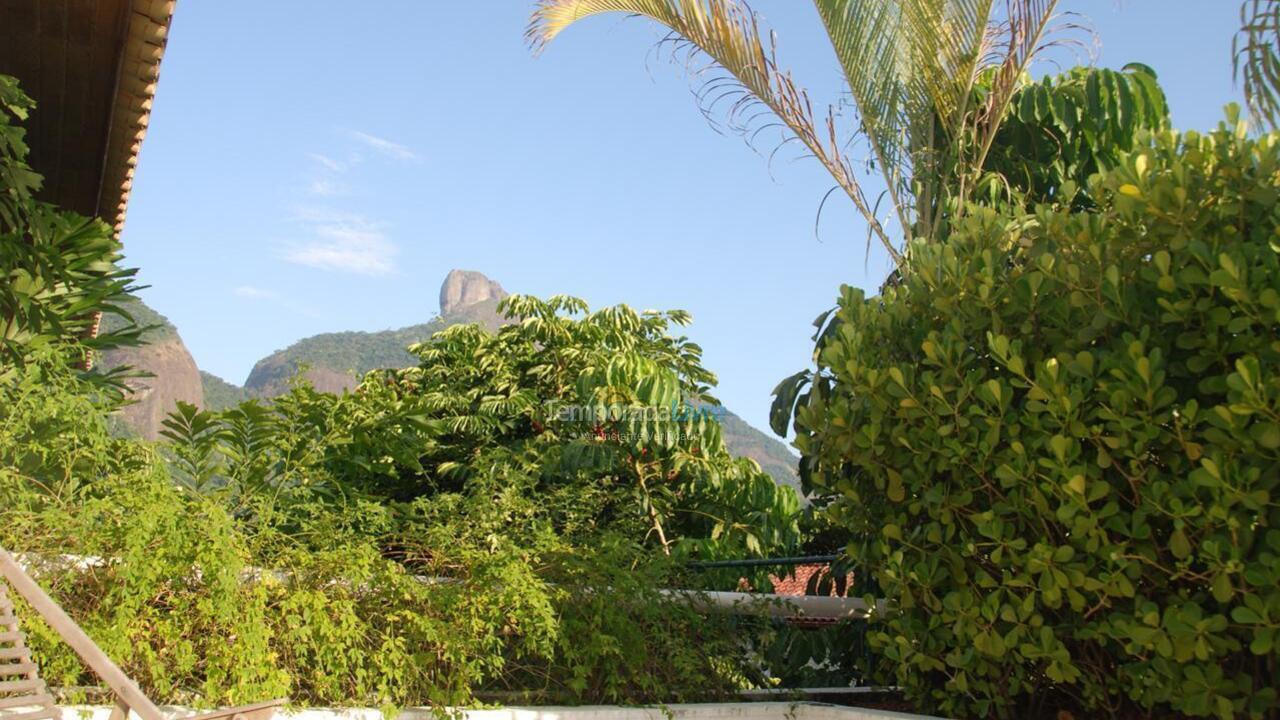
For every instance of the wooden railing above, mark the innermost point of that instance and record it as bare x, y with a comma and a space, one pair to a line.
27, 697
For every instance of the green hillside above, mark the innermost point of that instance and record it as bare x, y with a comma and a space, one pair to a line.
143, 315
355, 353
220, 394
351, 353
744, 440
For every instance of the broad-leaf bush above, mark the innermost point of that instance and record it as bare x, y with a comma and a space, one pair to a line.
1055, 444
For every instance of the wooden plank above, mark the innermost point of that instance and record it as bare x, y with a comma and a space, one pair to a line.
9, 620
23, 668
83, 645
41, 700
257, 711
12, 636
15, 653
47, 713
119, 711
21, 686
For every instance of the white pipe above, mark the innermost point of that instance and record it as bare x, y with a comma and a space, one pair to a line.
819, 607
780, 606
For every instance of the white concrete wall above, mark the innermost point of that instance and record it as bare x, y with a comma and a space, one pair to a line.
703, 711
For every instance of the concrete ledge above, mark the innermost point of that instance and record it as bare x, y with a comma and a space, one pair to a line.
700, 711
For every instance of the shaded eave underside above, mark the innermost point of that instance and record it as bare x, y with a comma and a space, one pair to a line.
92, 68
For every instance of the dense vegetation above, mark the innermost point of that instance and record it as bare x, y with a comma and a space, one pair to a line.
1054, 442
1051, 442
502, 516
328, 503
269, 580
342, 358
606, 400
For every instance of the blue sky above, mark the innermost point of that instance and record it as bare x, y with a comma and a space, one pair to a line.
320, 166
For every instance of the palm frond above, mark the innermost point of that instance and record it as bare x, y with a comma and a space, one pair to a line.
1256, 61
945, 41
730, 34
912, 67
1019, 40
865, 35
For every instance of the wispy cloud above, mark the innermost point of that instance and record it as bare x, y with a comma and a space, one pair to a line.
328, 163
254, 293
344, 242
384, 146
324, 180
325, 187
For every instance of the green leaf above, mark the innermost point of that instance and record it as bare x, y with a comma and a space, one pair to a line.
1179, 545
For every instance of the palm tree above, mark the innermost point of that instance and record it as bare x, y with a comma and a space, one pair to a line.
930, 82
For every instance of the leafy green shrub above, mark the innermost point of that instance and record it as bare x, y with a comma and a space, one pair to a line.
1069, 126
1055, 444
607, 399
70, 490
611, 635
181, 600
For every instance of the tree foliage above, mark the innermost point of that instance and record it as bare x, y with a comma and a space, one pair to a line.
57, 268
1064, 128
605, 403
259, 553
1055, 443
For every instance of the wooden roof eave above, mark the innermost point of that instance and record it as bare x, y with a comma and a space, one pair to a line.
146, 34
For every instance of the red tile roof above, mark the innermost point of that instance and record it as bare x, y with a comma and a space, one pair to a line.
797, 581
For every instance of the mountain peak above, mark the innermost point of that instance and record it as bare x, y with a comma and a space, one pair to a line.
462, 288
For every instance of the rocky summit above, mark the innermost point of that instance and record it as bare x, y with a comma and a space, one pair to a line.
462, 288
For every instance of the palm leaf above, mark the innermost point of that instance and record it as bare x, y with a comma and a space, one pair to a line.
865, 36
1255, 59
946, 42
731, 36
909, 65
